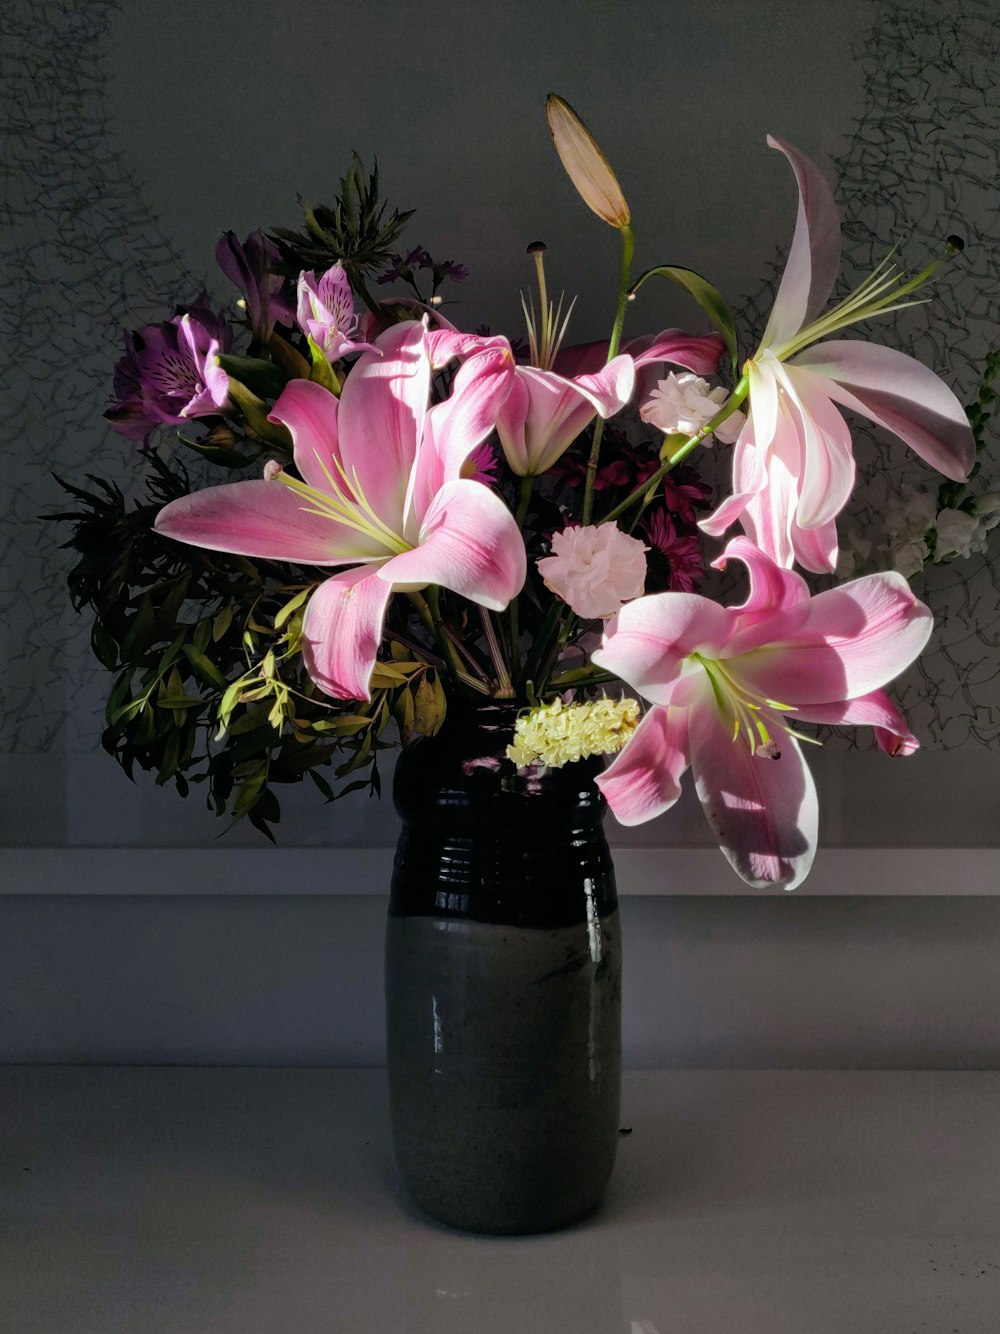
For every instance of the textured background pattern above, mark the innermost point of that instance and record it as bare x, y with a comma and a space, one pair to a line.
83, 255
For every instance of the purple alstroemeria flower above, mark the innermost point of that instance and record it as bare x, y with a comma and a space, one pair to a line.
326, 313
403, 266
170, 372
254, 267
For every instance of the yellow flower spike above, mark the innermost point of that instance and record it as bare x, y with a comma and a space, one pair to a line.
555, 734
585, 164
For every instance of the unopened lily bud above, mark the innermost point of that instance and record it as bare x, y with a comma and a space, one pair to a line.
585, 164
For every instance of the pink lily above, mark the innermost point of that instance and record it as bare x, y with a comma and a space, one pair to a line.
546, 411
793, 466
699, 353
724, 683
381, 490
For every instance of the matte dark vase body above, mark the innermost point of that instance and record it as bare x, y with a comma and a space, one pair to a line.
503, 984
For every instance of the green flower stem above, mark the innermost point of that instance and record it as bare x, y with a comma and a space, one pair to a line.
582, 676
430, 614
523, 500
548, 628
628, 249
737, 397
565, 629
359, 285
505, 687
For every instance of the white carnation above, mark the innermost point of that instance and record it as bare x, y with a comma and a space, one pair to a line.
682, 404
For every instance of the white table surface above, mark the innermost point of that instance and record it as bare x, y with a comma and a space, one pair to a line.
238, 1201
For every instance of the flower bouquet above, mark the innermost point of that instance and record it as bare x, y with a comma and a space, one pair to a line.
498, 544
424, 515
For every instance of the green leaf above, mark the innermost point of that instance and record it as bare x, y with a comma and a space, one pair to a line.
261, 377
204, 666
322, 784
255, 411
322, 373
140, 631
222, 458
708, 298
346, 725
168, 655
223, 620
104, 646
292, 606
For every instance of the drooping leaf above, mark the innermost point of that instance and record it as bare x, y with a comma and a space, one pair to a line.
709, 298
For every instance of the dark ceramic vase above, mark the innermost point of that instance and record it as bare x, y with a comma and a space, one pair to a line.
503, 983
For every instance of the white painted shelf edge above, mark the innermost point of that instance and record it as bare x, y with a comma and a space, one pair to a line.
342, 871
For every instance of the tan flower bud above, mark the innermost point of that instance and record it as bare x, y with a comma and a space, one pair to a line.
585, 164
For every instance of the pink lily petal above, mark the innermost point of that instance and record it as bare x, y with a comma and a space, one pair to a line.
457, 426
700, 353
749, 479
814, 257
341, 632
310, 413
843, 643
771, 588
645, 778
512, 427
828, 470
381, 417
816, 549
470, 543
875, 710
769, 512
647, 643
263, 519
540, 418
608, 389
446, 343
544, 413
763, 811
764, 399
898, 393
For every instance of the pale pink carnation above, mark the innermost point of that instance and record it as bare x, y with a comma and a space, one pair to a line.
595, 569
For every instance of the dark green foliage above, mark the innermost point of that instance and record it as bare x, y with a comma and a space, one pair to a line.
178, 627
354, 230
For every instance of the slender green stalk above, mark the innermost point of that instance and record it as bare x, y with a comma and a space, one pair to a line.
582, 676
429, 611
505, 687
523, 501
548, 628
628, 248
738, 396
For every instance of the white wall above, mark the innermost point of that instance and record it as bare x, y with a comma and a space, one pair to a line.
140, 133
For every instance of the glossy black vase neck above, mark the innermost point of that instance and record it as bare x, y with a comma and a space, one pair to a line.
485, 842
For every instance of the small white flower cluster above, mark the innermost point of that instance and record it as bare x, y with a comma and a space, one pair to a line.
909, 518
682, 404
558, 733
